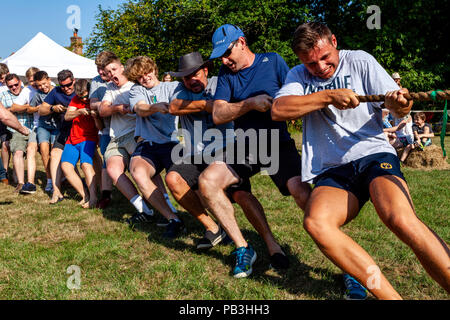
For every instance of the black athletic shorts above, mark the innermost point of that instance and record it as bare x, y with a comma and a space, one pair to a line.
357, 175
159, 154
286, 163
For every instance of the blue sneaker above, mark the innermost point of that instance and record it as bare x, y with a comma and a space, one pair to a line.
28, 188
354, 290
245, 257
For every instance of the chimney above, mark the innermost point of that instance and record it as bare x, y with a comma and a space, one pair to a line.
76, 43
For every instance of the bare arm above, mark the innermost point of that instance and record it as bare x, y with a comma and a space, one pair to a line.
95, 103
144, 109
224, 111
180, 107
98, 121
73, 112
11, 121
18, 108
397, 103
46, 109
294, 107
107, 109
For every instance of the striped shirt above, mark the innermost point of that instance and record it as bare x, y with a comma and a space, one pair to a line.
25, 119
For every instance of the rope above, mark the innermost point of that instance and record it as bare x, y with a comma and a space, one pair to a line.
417, 96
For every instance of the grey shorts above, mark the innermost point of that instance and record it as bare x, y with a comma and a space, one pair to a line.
19, 142
123, 146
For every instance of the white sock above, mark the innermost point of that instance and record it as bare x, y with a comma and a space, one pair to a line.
146, 209
166, 196
140, 205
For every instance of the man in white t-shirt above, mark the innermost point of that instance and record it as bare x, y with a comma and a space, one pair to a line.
347, 157
116, 104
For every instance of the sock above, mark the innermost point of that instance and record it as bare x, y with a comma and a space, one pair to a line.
49, 181
166, 196
137, 202
146, 209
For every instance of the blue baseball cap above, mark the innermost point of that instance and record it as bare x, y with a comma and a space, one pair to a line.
223, 37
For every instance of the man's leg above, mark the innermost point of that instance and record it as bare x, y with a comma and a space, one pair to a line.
299, 190
44, 148
31, 161
89, 174
393, 203
19, 167
5, 155
189, 200
212, 183
327, 210
116, 166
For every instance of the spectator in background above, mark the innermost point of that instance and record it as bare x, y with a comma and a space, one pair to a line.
82, 143
423, 132
404, 135
167, 77
47, 130
56, 104
27, 144
5, 134
4, 71
397, 78
96, 94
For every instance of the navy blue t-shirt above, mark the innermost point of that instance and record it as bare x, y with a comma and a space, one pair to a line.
57, 96
265, 76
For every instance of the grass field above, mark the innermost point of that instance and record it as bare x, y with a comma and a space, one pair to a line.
38, 242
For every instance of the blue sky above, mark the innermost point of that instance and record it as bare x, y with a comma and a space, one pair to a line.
23, 19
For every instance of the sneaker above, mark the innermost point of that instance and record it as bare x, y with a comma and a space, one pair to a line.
49, 187
28, 188
354, 290
103, 203
139, 218
173, 229
419, 145
161, 221
211, 239
245, 257
5, 181
279, 261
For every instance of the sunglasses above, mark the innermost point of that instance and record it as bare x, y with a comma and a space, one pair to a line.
68, 85
13, 85
84, 97
228, 52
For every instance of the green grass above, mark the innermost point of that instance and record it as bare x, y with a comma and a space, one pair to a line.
38, 242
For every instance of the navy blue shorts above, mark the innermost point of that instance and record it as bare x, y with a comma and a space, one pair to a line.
357, 175
160, 155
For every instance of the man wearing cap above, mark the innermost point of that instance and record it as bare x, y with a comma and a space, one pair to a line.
246, 84
193, 103
397, 78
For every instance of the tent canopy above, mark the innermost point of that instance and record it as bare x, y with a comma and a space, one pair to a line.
45, 54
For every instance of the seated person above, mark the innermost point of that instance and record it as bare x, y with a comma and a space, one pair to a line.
387, 127
81, 143
423, 132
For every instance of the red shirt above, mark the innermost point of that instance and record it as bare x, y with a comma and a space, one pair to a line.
83, 127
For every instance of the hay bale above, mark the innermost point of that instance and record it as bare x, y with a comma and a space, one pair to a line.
430, 158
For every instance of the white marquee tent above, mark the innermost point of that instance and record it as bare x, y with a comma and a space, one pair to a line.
45, 54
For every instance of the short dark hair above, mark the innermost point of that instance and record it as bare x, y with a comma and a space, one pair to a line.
81, 86
3, 69
11, 76
308, 34
64, 74
40, 75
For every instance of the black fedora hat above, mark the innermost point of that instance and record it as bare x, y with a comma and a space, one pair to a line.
189, 63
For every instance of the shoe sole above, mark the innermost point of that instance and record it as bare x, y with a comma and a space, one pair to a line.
249, 271
27, 192
214, 243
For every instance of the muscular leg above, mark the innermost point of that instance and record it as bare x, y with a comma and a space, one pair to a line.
392, 201
327, 210
299, 190
212, 183
254, 212
5, 155
189, 200
142, 171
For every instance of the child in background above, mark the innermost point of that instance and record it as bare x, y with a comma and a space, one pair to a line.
423, 132
82, 144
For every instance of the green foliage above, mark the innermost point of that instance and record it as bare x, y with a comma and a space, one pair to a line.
410, 40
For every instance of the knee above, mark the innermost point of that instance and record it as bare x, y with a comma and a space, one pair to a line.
316, 228
206, 183
173, 180
66, 168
